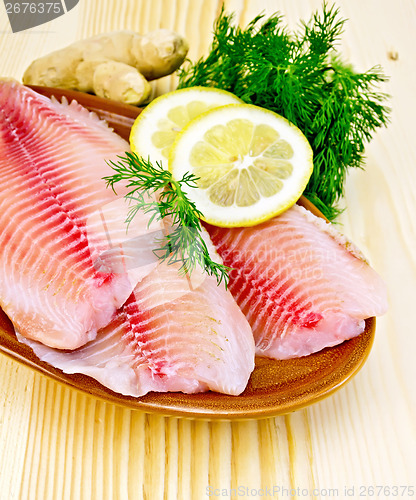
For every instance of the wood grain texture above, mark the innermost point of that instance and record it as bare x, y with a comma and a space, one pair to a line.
58, 444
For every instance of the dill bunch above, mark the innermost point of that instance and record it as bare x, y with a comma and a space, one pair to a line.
183, 243
300, 76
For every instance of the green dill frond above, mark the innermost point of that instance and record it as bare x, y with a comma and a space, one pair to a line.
153, 191
300, 76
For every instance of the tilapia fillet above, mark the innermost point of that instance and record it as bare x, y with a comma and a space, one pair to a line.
53, 157
301, 285
174, 333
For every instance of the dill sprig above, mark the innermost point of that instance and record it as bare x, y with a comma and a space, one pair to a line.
153, 190
300, 76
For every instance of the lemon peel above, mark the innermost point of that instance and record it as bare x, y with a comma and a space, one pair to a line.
157, 126
251, 163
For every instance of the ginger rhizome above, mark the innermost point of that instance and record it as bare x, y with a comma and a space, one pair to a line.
115, 65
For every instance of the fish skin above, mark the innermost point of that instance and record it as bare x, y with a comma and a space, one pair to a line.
301, 284
52, 160
174, 334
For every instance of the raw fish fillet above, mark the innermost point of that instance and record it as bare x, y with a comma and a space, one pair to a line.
174, 333
301, 285
63, 271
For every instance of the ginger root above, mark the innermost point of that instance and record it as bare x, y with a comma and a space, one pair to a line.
114, 65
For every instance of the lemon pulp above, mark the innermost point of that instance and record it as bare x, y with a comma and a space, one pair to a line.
241, 171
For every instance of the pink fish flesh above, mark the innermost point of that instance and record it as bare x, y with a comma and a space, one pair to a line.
301, 285
55, 284
174, 333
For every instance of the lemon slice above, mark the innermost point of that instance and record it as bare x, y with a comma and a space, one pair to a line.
251, 164
157, 126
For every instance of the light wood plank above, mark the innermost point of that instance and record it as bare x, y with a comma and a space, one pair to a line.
56, 443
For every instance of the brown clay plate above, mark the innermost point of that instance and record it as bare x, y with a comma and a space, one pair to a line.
275, 387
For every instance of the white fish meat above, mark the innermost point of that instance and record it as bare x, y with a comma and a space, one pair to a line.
175, 333
63, 272
301, 285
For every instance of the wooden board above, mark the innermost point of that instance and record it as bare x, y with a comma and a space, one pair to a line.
57, 443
